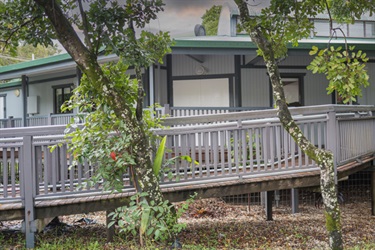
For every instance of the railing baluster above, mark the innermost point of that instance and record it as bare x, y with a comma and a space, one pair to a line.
251, 149
200, 156
278, 146
293, 149
54, 168
300, 156
5, 172
265, 146
244, 149
272, 148
64, 166
257, 146
13, 171
215, 149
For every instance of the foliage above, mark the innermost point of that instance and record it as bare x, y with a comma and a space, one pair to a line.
151, 220
283, 22
345, 70
210, 20
349, 11
159, 156
105, 139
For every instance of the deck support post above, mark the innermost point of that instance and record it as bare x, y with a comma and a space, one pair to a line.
268, 203
28, 191
110, 230
25, 82
373, 192
295, 201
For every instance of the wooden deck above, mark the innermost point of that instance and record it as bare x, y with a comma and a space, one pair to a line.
100, 201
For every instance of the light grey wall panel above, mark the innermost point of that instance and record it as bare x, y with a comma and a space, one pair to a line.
297, 60
315, 85
13, 103
368, 97
161, 86
255, 88
315, 92
45, 93
214, 64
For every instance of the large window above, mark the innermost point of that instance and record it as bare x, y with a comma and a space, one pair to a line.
358, 29
201, 93
60, 95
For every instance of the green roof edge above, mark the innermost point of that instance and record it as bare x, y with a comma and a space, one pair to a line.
35, 63
180, 43
250, 45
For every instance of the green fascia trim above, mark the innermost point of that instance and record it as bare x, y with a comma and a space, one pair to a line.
213, 44
35, 63
250, 45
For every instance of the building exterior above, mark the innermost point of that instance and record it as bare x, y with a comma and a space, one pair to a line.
201, 71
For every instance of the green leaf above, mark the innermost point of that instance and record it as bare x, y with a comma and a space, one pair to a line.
313, 51
111, 223
144, 220
159, 156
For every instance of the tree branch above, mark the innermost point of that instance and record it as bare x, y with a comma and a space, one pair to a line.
85, 25
16, 29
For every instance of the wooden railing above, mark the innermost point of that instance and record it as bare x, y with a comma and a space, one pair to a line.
53, 119
226, 146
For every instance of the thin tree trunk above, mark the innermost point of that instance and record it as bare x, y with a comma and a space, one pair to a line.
88, 64
323, 158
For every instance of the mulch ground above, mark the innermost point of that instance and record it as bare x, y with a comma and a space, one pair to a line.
214, 224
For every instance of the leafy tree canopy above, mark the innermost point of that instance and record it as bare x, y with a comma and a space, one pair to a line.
210, 20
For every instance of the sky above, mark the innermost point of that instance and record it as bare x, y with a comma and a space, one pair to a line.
181, 16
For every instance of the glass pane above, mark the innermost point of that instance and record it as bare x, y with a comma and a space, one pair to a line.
291, 90
370, 29
321, 27
341, 29
58, 94
356, 30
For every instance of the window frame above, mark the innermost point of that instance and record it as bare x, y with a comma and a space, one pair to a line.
57, 110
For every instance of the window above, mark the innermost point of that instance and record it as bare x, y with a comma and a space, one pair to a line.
370, 29
61, 94
321, 28
356, 29
292, 91
2, 107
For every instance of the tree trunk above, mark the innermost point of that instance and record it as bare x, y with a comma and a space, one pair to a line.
323, 158
88, 64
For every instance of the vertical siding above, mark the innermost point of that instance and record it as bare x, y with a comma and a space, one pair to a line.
215, 64
368, 94
255, 88
161, 86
